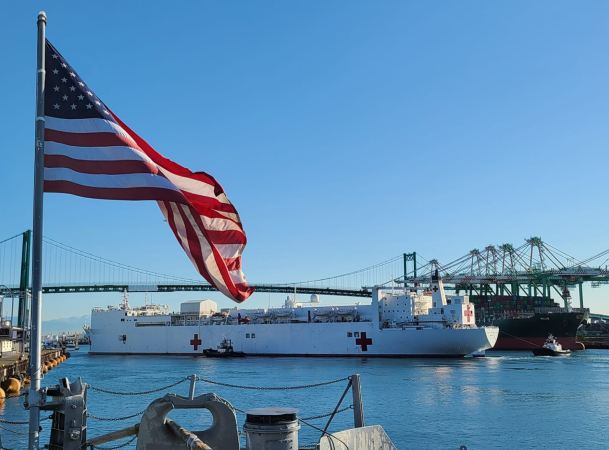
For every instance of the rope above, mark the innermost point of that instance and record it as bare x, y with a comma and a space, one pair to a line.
114, 448
14, 432
524, 340
91, 416
258, 388
329, 414
330, 435
14, 423
139, 393
308, 418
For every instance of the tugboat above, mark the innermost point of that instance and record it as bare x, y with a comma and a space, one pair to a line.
551, 348
225, 350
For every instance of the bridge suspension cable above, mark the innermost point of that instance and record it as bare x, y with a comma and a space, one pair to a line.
358, 279
10, 261
65, 264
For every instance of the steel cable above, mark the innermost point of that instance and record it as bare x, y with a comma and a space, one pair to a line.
258, 388
139, 393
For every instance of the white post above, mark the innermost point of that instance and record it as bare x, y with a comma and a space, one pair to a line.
358, 408
193, 380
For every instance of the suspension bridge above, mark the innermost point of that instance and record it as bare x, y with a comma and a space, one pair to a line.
535, 268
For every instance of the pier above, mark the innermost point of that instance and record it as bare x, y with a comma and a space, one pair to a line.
16, 365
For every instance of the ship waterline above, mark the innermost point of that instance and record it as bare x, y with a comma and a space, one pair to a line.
307, 339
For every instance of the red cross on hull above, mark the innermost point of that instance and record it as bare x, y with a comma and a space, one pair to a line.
364, 342
468, 313
195, 342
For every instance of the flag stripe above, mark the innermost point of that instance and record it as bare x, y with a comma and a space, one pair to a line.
216, 222
210, 202
131, 180
89, 139
193, 186
84, 126
100, 167
230, 251
226, 237
237, 276
95, 153
233, 264
68, 187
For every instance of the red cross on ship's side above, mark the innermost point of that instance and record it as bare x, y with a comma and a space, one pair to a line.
195, 342
364, 342
468, 313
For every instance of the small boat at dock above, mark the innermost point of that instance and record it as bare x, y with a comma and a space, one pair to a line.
551, 348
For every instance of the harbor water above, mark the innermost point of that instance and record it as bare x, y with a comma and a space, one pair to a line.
507, 400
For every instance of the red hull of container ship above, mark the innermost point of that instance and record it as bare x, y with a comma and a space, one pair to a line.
526, 333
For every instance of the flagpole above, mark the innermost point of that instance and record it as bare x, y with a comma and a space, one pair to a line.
36, 336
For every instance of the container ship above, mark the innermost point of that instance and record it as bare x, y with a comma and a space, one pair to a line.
395, 324
525, 322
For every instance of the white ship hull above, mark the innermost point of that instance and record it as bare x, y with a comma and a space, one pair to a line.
392, 325
306, 339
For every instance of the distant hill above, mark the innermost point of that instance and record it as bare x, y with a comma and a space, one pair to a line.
70, 324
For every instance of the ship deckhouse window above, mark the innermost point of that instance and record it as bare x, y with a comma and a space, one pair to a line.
247, 336
253, 335
122, 320
357, 334
349, 334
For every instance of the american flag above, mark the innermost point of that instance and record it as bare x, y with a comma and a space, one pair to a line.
89, 152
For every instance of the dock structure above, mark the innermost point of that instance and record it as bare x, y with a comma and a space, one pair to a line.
535, 269
16, 365
594, 342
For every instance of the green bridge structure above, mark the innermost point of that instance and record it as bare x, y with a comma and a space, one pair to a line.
534, 269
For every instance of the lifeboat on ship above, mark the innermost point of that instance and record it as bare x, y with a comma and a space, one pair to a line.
323, 315
240, 320
345, 315
218, 317
264, 316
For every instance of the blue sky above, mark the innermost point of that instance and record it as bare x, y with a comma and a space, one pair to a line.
345, 133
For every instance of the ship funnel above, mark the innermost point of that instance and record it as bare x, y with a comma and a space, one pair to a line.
437, 291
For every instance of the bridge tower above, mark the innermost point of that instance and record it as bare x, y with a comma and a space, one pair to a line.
410, 257
24, 284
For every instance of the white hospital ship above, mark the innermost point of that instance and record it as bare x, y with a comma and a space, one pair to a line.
395, 324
